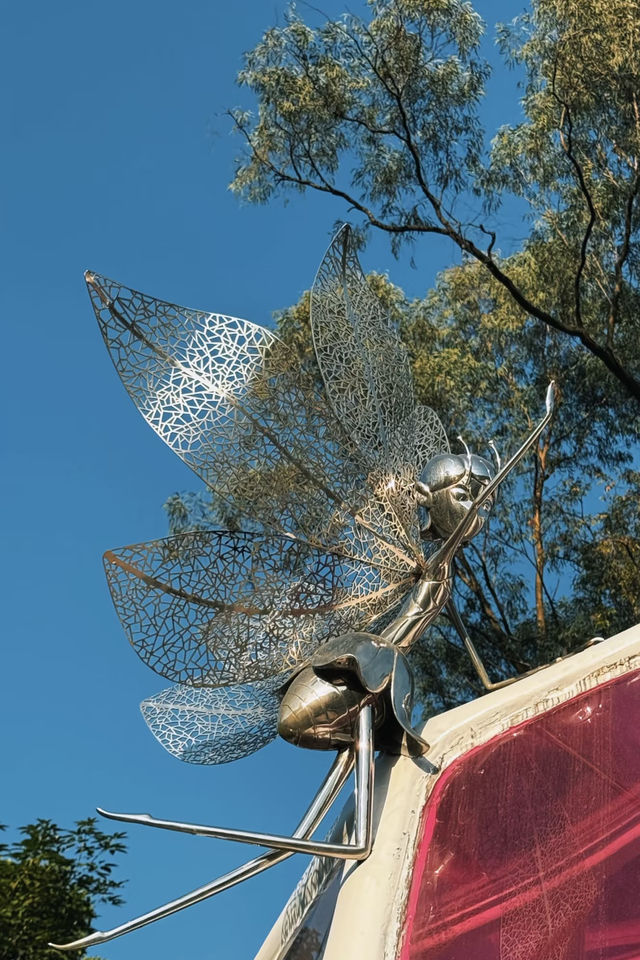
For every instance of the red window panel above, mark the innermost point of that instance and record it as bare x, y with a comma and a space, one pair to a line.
530, 846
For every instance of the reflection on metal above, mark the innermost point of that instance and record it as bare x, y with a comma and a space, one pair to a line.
358, 850
335, 780
357, 508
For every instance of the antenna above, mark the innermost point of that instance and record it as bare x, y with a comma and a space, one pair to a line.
496, 455
465, 479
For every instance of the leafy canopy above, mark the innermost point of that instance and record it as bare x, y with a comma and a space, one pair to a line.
383, 112
50, 881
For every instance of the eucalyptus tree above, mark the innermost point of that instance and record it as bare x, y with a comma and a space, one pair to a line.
384, 114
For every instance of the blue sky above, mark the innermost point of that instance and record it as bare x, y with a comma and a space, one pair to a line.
117, 157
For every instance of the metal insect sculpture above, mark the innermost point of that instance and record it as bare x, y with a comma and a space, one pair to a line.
356, 508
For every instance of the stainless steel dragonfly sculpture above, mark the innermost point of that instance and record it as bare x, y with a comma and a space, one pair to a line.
356, 507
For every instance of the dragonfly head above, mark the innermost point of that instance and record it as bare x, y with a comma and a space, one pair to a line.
446, 491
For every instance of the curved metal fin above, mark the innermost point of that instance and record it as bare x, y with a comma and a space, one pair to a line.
401, 699
364, 655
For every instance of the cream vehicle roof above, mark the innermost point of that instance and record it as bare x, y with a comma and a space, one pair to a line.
369, 911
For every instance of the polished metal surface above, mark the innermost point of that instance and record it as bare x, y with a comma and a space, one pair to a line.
446, 487
320, 714
322, 802
298, 626
464, 517
379, 667
358, 850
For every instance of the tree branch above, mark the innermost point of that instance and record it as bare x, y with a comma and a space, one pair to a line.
281, 175
567, 146
469, 578
488, 579
623, 253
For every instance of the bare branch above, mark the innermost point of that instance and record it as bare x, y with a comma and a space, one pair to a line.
469, 578
282, 176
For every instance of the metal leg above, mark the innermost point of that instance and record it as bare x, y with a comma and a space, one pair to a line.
475, 656
333, 783
359, 850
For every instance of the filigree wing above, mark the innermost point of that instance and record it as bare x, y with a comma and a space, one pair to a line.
233, 402
214, 608
367, 377
187, 371
418, 439
204, 725
363, 362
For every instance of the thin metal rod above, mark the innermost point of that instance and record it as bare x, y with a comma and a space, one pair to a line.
331, 787
359, 850
480, 669
365, 772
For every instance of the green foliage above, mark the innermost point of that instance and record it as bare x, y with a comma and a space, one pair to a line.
397, 95
50, 881
536, 587
383, 114
609, 561
560, 561
574, 160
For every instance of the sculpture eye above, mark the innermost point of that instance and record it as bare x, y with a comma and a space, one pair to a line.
461, 494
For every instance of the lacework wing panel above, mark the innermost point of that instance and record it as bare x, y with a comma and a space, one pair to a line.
204, 725
363, 362
214, 608
234, 403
